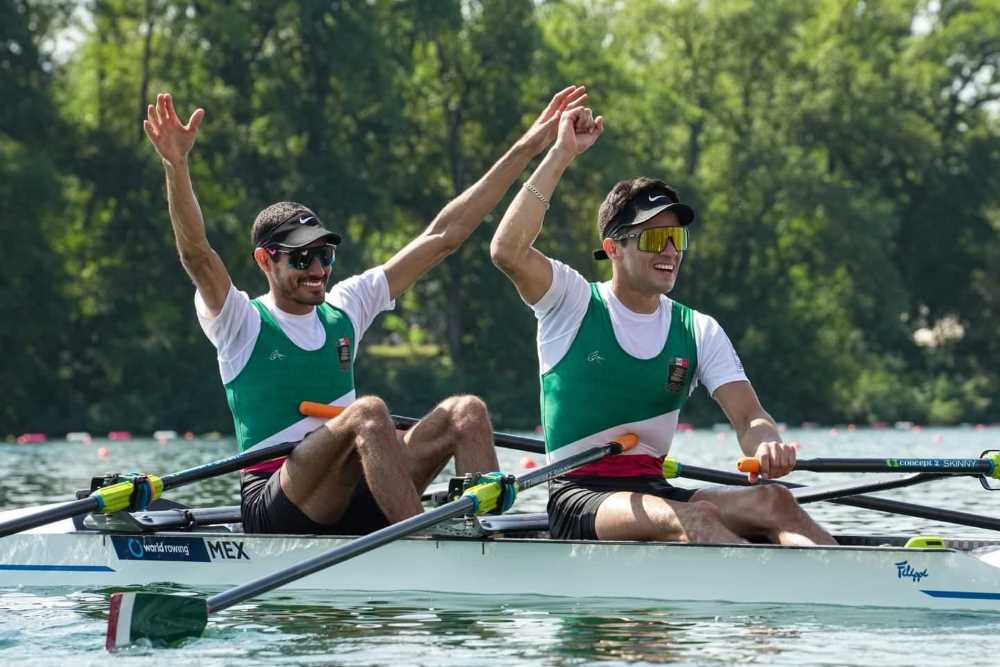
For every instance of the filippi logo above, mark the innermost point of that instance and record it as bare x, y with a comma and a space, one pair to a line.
906, 571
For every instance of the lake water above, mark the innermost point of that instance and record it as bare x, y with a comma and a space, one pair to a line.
61, 626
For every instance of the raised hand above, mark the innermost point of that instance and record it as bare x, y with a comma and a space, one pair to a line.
543, 131
578, 130
172, 140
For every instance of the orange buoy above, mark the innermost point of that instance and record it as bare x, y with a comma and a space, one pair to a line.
528, 462
103, 452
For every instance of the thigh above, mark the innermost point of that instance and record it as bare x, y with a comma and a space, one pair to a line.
640, 516
322, 463
740, 507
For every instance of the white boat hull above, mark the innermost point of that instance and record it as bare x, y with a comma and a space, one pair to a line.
840, 575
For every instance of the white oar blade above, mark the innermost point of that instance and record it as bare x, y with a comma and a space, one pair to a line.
154, 616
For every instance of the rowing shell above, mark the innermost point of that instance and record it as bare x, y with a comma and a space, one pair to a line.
507, 558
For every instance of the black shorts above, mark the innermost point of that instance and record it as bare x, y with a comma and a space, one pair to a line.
266, 509
573, 501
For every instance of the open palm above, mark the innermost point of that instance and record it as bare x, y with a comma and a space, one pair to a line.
172, 140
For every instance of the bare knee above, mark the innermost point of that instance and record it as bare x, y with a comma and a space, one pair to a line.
465, 411
367, 411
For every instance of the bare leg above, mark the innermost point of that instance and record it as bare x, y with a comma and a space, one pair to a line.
459, 426
320, 474
768, 511
640, 516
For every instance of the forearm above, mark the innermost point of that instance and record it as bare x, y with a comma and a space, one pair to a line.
462, 215
202, 264
185, 214
758, 429
522, 222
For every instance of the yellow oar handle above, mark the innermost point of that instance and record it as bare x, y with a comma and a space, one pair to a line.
321, 410
748, 464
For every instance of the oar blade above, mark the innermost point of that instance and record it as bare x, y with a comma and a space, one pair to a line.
155, 616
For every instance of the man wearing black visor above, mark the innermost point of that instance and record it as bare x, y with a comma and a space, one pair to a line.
621, 357
354, 473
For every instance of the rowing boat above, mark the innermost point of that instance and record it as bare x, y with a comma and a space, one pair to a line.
505, 555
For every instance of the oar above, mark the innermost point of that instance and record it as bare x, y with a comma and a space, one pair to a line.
506, 440
124, 495
986, 466
136, 493
164, 617
673, 468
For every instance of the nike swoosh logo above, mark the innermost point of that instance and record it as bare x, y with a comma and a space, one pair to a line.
308, 218
653, 199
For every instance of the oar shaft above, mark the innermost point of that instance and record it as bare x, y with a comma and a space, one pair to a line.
939, 466
461, 506
507, 440
356, 547
51, 515
864, 502
227, 465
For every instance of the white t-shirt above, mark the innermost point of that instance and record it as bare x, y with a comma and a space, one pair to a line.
234, 331
561, 310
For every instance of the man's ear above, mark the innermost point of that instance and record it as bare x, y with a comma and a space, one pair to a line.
262, 258
609, 246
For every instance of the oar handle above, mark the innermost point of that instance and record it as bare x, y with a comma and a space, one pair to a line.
748, 464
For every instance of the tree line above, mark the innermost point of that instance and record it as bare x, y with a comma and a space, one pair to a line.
843, 156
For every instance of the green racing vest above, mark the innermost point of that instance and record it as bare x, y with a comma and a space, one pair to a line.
597, 385
264, 398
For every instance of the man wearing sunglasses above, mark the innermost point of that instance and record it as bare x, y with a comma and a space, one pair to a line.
620, 356
352, 474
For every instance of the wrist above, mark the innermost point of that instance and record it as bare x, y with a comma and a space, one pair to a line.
179, 164
561, 155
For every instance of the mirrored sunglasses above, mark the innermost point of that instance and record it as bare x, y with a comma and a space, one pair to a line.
655, 239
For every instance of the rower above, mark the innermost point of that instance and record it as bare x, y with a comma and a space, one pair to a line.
355, 473
621, 356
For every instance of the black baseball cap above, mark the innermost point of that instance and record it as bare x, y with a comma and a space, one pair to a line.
644, 206
299, 229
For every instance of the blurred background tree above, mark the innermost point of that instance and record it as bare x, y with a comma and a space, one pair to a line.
843, 156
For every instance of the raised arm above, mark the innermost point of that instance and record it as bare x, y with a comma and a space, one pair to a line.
512, 249
758, 435
173, 141
456, 221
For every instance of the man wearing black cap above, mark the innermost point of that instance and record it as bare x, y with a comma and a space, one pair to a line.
352, 474
621, 357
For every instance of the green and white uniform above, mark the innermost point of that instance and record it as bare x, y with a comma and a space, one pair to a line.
606, 371
270, 360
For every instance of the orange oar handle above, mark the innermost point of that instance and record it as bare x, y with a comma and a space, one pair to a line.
321, 410
748, 464
627, 441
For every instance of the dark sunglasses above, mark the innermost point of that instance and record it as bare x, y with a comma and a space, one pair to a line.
302, 258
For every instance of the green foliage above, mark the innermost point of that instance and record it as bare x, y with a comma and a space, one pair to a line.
844, 159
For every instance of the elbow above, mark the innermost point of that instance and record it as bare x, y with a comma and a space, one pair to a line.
501, 256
